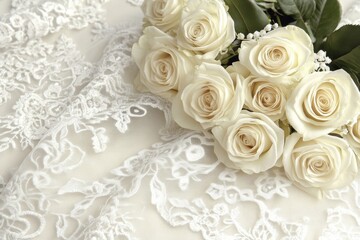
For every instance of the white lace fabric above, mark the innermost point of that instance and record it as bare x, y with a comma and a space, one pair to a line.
85, 156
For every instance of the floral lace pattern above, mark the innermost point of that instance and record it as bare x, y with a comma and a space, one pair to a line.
45, 86
38, 21
39, 76
71, 113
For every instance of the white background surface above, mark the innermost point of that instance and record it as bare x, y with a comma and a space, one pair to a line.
142, 134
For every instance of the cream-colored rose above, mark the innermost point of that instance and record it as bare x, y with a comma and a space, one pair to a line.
212, 97
322, 102
320, 164
353, 136
162, 66
238, 69
286, 51
206, 28
163, 14
252, 142
265, 96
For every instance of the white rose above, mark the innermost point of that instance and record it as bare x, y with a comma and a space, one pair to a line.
322, 102
206, 28
265, 96
320, 164
162, 66
211, 97
286, 51
252, 142
238, 68
164, 14
353, 137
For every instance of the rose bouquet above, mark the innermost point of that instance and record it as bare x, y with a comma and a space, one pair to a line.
272, 81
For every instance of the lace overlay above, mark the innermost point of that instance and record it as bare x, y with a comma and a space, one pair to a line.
40, 71
31, 20
45, 77
77, 177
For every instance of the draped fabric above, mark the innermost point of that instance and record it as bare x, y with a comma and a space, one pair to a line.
83, 155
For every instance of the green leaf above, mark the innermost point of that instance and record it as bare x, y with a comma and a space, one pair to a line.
355, 77
350, 63
349, 60
343, 47
342, 41
325, 18
247, 15
298, 9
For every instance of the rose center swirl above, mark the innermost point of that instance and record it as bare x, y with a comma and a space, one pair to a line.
314, 164
158, 8
250, 140
247, 141
275, 56
318, 166
208, 102
163, 67
268, 98
322, 103
197, 31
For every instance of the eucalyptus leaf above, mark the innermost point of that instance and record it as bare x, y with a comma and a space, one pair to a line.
298, 9
247, 15
342, 41
325, 18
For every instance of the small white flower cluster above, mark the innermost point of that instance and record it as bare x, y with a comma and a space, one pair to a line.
257, 34
321, 62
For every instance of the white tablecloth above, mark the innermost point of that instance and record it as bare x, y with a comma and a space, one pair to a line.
85, 156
